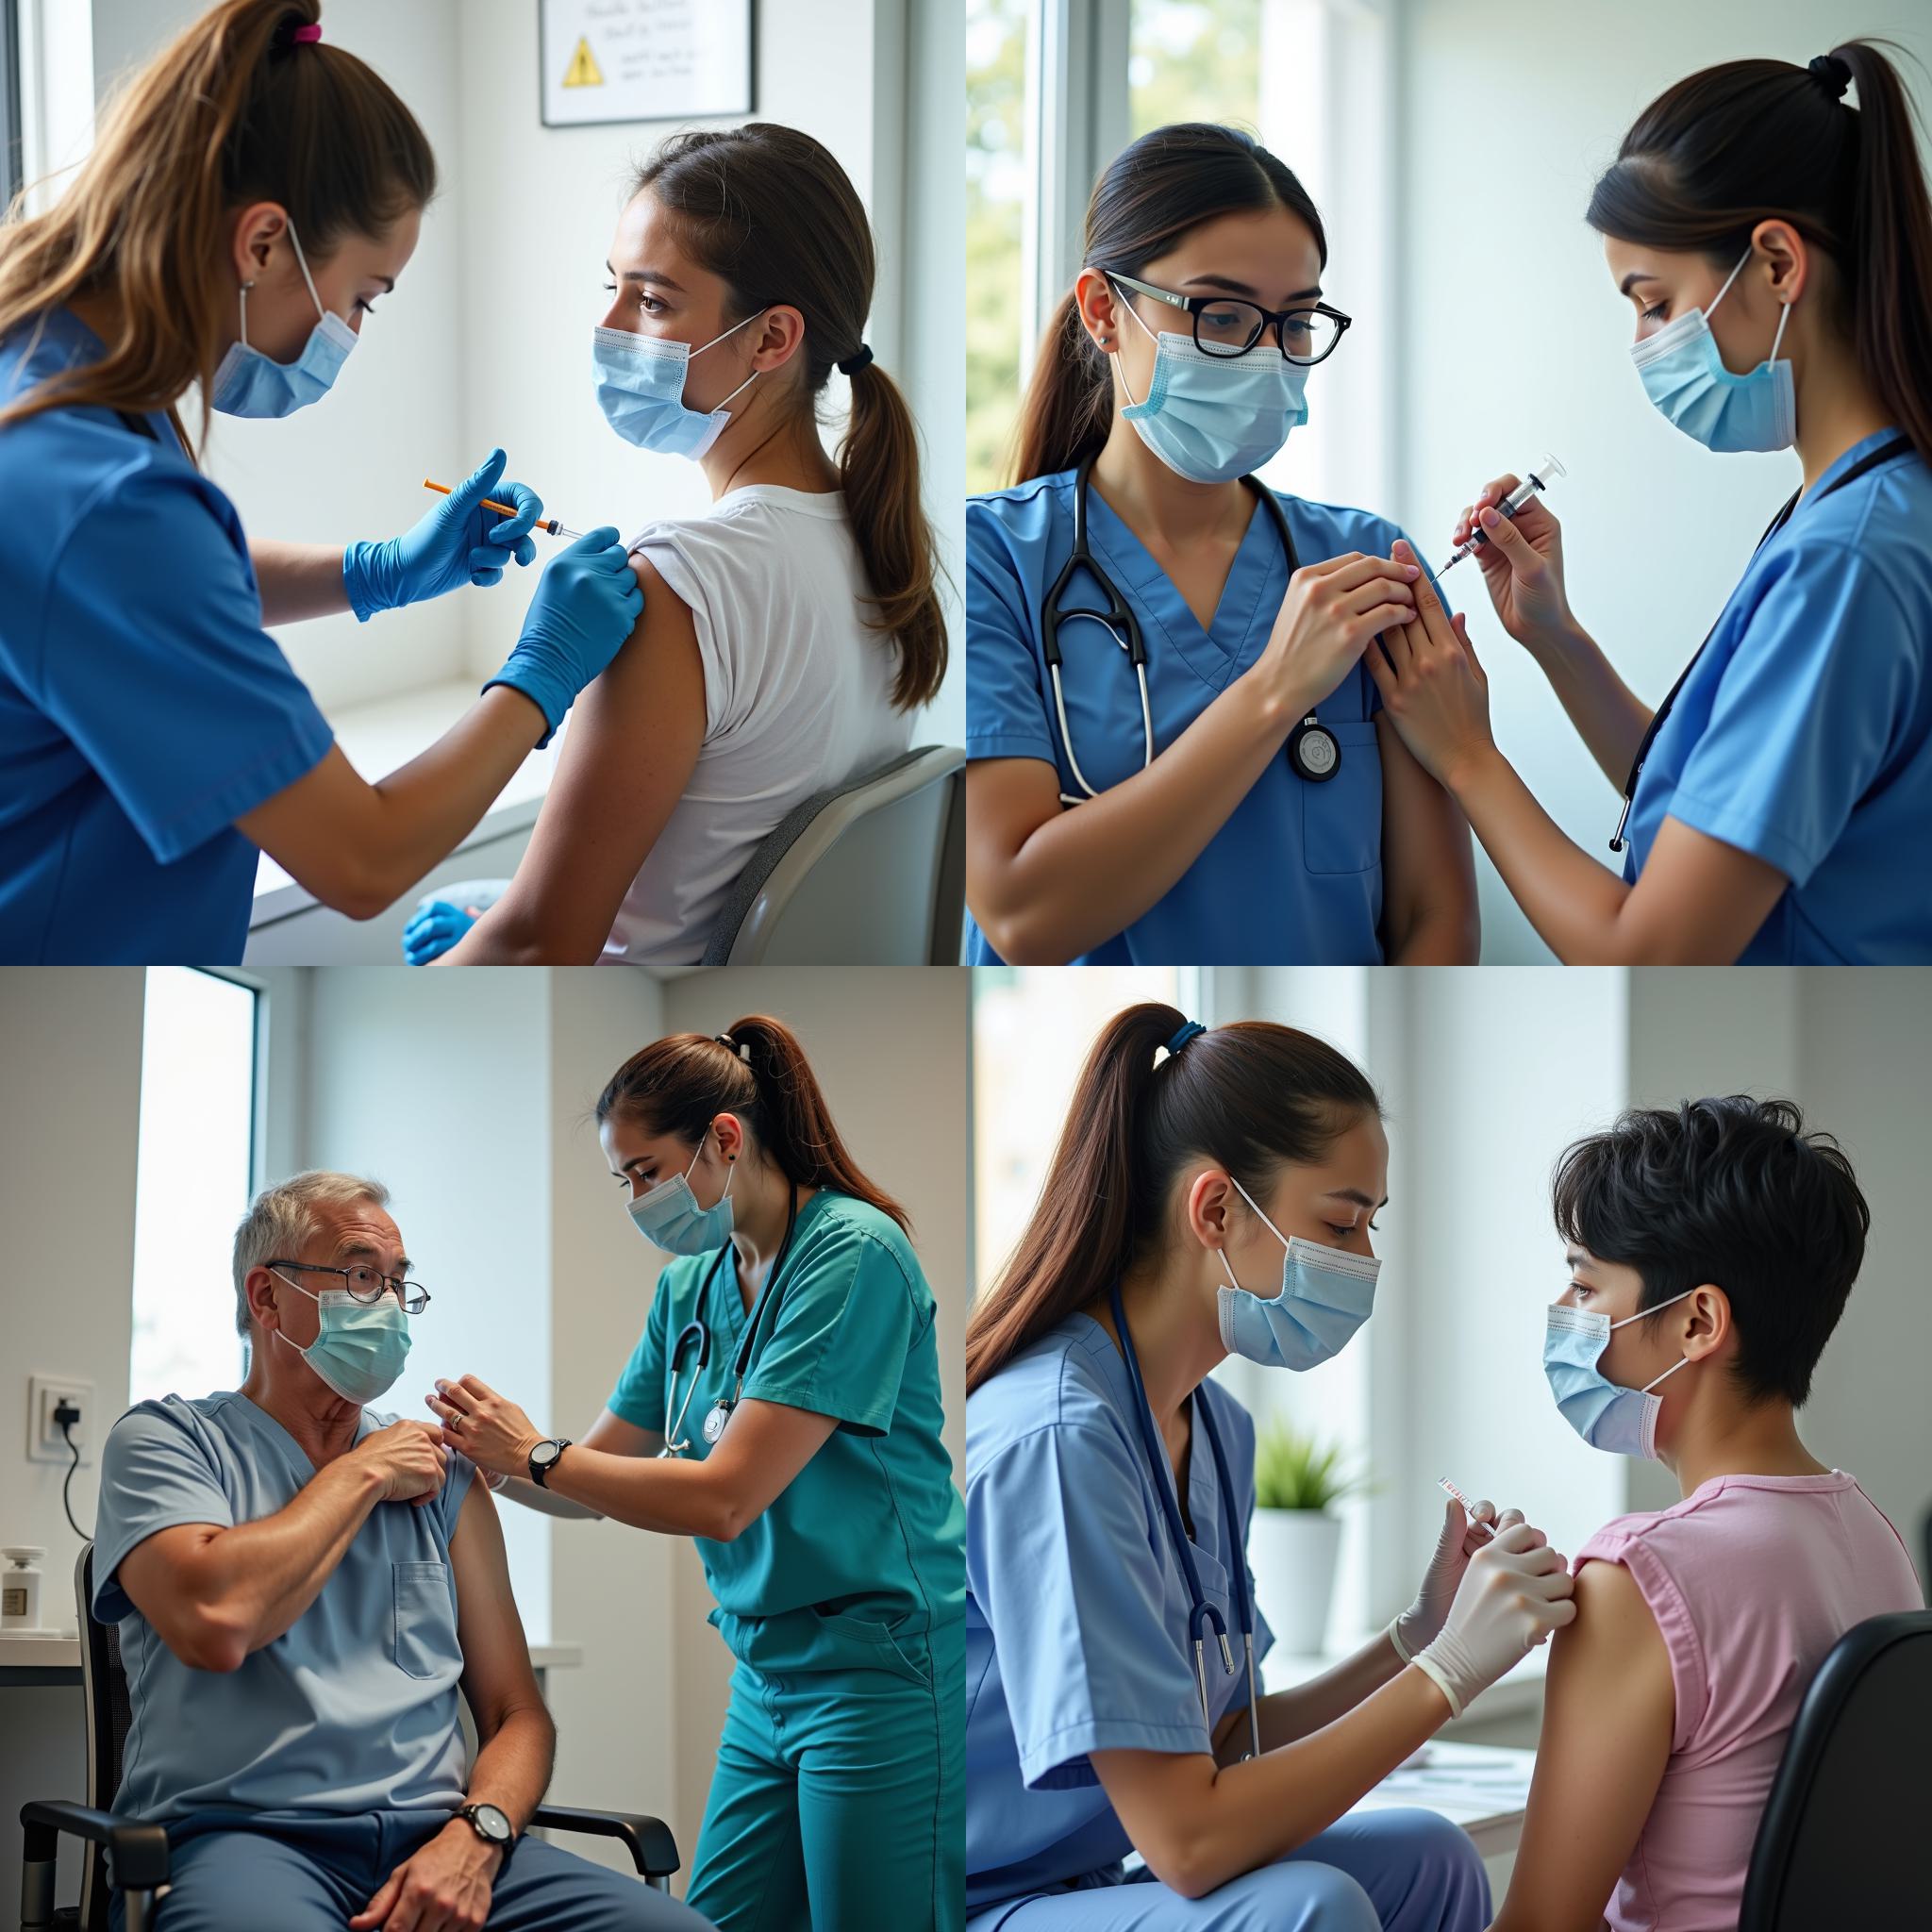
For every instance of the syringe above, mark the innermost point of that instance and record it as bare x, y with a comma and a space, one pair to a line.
1489, 1530
508, 509
1535, 481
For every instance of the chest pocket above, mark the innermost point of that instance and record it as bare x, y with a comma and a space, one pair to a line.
424, 1635
1342, 820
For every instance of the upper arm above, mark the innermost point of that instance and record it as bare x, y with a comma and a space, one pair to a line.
158, 1575
1429, 864
758, 1456
1608, 1714
1007, 800
321, 830
633, 743
1153, 1795
497, 1674
1697, 901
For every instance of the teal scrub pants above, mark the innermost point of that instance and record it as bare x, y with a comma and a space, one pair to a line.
838, 1802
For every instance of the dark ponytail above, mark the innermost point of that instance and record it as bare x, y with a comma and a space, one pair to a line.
235, 108
1151, 194
1756, 141
770, 213
758, 1071
1251, 1096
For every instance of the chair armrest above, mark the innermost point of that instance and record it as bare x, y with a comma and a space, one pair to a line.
136, 1851
653, 1848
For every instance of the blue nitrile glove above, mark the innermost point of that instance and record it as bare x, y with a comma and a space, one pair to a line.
444, 916
455, 544
583, 610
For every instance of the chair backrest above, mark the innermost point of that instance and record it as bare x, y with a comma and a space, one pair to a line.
871, 873
1842, 1840
109, 1717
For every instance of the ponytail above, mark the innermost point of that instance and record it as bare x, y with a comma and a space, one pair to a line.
756, 1070
233, 109
1252, 1096
770, 213
1149, 196
1758, 140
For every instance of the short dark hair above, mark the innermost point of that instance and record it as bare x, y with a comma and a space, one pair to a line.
1734, 1192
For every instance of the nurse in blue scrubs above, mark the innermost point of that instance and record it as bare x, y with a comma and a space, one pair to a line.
1777, 805
251, 195
1175, 747
1212, 1194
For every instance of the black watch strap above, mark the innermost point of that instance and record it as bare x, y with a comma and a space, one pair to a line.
504, 1845
540, 1471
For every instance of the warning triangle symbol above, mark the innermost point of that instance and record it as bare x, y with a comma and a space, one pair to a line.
583, 71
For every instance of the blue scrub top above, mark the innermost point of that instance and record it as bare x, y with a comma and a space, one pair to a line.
1803, 733
1296, 875
1077, 1610
143, 707
353, 1707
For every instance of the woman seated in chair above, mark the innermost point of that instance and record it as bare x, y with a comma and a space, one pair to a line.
790, 635
1711, 1250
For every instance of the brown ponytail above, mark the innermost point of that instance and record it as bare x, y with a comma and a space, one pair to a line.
1150, 195
1756, 141
1251, 1096
758, 1071
771, 212
233, 109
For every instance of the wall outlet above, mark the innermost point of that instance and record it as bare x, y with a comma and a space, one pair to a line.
45, 1441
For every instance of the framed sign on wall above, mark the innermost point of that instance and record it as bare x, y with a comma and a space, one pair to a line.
602, 60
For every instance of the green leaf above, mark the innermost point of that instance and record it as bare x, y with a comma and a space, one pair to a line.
1295, 1470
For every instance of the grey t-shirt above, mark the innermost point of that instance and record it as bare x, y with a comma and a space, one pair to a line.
352, 1708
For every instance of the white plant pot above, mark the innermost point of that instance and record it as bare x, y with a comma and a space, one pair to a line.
1292, 1552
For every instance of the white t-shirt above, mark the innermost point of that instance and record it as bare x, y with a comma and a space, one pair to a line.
797, 698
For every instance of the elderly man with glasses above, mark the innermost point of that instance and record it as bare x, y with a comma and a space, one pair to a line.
302, 1585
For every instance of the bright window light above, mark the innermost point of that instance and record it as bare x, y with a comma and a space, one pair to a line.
193, 1177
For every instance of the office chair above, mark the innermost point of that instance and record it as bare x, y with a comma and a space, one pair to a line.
130, 1854
867, 874
1842, 1840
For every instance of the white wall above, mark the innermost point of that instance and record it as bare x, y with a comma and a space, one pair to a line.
1514, 342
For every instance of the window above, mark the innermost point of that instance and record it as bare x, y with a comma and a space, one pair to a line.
1195, 60
999, 173
193, 1176
12, 170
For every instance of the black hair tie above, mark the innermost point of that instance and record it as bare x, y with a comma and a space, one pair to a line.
853, 364
1832, 74
1191, 1030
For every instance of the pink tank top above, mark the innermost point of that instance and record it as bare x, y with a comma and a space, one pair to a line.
1752, 1579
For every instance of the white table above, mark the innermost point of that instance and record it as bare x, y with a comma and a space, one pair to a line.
1483, 1788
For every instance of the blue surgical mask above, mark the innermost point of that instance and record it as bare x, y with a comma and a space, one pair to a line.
1213, 418
250, 384
1326, 1295
641, 390
669, 1216
1605, 1414
362, 1345
1686, 378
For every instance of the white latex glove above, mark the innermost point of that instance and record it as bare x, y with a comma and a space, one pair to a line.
1515, 1592
1459, 1540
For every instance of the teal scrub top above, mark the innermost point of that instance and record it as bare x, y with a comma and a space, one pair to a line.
871, 1529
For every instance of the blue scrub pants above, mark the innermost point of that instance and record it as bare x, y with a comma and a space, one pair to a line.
316, 1875
838, 1802
1378, 1871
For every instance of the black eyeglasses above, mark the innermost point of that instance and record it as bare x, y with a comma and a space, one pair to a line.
1227, 325
368, 1285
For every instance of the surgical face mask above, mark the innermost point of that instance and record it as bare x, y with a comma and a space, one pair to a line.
250, 384
1213, 418
670, 1218
1686, 378
1605, 1414
362, 1345
1326, 1295
641, 390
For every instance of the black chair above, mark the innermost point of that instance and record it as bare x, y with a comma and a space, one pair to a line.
131, 1855
1843, 1837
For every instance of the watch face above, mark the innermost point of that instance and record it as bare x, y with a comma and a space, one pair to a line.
491, 1823
546, 1453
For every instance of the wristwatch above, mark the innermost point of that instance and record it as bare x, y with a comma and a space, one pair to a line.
543, 1458
490, 1824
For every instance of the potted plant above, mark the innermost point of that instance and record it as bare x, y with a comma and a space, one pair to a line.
1295, 1537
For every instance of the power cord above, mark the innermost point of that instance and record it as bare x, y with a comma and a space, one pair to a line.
67, 1415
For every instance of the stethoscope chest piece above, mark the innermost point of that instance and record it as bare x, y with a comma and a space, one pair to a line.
1313, 751
715, 1418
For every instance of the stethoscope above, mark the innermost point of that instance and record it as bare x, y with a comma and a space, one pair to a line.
1894, 446
720, 1411
1312, 748
1203, 1617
